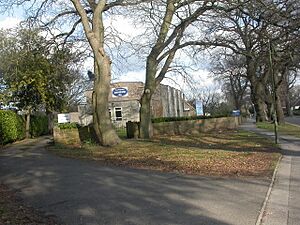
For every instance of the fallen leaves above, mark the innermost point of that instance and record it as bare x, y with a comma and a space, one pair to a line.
219, 154
14, 212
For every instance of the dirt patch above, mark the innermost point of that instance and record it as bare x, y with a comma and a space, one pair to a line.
13, 211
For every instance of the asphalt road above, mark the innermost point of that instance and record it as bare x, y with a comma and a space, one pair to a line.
86, 192
293, 120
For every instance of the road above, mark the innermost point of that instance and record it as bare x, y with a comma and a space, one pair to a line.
86, 192
293, 120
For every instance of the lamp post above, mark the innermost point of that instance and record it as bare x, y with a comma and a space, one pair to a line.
274, 92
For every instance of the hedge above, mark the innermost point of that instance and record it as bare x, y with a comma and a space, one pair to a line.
12, 127
170, 119
38, 125
68, 125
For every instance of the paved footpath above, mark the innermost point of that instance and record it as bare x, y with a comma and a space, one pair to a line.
283, 206
86, 192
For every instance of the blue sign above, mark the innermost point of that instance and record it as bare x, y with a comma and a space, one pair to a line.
119, 92
236, 113
199, 108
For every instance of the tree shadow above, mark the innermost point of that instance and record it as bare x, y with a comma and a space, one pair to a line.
81, 192
217, 143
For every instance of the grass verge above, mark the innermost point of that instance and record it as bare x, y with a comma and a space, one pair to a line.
231, 153
284, 129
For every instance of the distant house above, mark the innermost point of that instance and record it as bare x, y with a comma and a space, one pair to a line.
124, 103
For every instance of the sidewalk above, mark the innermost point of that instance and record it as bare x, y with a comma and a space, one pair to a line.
283, 203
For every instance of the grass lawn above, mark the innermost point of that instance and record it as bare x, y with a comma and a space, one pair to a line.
231, 153
285, 129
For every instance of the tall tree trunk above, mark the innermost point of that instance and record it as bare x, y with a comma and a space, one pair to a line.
278, 105
279, 111
286, 96
27, 125
50, 117
146, 131
107, 135
257, 91
94, 31
288, 105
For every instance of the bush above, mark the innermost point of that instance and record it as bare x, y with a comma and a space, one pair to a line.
12, 127
170, 119
38, 125
68, 125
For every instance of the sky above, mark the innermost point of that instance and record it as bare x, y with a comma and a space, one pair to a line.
201, 76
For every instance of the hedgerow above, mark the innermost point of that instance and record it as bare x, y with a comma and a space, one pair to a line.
170, 119
12, 127
38, 125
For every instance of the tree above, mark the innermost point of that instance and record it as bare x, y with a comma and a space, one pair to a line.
175, 28
35, 72
230, 70
247, 31
87, 16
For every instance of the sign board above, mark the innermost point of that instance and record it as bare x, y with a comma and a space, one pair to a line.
119, 92
199, 108
63, 118
236, 113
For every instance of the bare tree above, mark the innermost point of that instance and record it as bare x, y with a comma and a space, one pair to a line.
176, 25
247, 31
230, 70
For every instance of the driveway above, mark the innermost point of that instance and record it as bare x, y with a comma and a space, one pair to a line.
86, 192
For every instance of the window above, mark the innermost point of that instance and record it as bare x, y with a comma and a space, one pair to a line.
118, 114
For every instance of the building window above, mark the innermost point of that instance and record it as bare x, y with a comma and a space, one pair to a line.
118, 114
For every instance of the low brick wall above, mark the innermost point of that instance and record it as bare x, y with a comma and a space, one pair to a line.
188, 126
66, 136
195, 126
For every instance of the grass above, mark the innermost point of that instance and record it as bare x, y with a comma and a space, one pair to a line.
284, 129
232, 153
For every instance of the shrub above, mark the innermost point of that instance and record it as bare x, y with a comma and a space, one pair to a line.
12, 127
68, 125
38, 125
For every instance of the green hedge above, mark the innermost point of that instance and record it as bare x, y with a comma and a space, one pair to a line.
38, 125
170, 119
12, 127
68, 125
